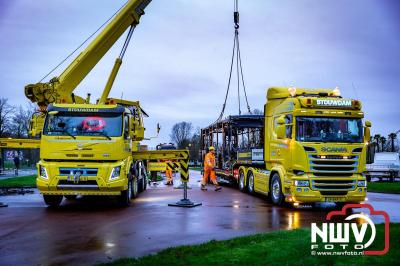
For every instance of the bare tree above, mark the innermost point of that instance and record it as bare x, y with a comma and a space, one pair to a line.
257, 112
194, 148
181, 134
21, 119
6, 111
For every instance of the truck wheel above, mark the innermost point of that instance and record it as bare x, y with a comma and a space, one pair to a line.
70, 197
250, 182
242, 186
275, 190
144, 182
52, 200
134, 188
126, 195
124, 199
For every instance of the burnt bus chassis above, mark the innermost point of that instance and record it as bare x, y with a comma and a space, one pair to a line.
231, 136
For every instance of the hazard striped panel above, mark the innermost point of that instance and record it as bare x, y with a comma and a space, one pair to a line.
184, 170
174, 166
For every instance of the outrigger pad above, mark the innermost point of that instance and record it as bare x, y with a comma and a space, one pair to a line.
185, 203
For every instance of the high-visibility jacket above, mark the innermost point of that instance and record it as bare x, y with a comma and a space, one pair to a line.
209, 161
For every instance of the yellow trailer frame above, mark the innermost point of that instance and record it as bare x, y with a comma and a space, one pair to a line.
10, 143
179, 157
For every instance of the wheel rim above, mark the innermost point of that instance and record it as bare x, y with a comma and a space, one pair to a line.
251, 182
241, 180
276, 189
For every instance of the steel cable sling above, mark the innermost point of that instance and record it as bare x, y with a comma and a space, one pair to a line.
239, 69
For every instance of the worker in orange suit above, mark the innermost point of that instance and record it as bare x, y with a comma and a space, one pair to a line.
209, 170
168, 173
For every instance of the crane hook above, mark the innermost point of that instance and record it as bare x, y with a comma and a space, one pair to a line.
236, 19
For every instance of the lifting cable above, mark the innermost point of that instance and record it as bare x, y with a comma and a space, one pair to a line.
85, 41
239, 69
127, 40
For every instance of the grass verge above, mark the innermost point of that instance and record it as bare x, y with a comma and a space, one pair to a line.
20, 181
386, 187
277, 248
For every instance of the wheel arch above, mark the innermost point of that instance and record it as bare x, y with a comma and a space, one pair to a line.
250, 169
281, 172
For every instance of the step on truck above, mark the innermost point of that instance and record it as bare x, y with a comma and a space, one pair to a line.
309, 146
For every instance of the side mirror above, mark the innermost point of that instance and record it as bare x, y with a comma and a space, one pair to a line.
36, 124
158, 128
32, 128
281, 128
367, 131
281, 120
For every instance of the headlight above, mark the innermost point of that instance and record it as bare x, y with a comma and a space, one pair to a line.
301, 183
362, 183
43, 172
115, 173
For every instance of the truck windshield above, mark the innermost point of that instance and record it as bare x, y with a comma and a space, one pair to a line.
326, 129
84, 124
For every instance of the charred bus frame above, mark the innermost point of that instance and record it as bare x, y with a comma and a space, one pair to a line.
236, 140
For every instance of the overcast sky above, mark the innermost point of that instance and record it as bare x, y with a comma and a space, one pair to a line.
177, 64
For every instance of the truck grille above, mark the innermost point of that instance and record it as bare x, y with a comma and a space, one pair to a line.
333, 185
334, 193
81, 185
333, 165
83, 171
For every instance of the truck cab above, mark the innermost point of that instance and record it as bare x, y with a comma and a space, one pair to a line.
315, 146
87, 150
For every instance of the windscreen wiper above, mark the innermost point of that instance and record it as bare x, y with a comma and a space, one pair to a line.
62, 131
103, 134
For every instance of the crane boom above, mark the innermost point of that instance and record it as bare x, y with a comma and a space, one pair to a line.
59, 89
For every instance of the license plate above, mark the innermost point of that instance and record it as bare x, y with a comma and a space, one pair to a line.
335, 199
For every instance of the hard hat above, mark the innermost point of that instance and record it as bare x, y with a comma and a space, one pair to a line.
211, 148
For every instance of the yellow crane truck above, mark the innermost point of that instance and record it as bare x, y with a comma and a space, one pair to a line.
309, 146
86, 148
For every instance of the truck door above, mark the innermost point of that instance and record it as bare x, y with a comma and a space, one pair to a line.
280, 148
127, 137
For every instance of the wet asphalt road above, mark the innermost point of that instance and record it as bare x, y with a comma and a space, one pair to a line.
87, 230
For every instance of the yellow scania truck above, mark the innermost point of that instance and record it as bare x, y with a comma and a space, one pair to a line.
309, 146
